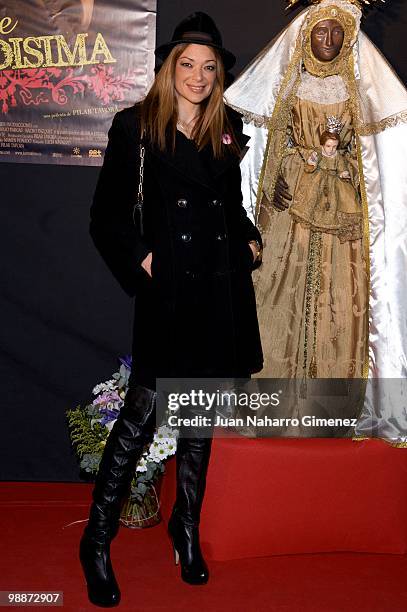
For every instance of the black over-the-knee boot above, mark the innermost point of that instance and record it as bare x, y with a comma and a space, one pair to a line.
192, 465
131, 432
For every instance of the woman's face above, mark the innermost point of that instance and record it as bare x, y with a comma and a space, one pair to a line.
327, 39
195, 73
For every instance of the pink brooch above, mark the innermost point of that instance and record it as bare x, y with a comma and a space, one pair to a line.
226, 139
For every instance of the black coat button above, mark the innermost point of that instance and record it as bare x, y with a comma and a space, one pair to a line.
182, 203
221, 237
216, 203
186, 237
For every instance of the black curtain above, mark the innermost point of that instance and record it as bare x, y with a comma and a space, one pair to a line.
64, 320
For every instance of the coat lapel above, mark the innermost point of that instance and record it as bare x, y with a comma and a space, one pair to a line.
185, 161
201, 167
218, 166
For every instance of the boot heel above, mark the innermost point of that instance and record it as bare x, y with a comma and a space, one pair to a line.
193, 567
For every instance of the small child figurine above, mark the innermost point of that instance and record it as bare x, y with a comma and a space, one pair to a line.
329, 148
327, 198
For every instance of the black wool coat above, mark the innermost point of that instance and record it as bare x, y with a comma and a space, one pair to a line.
196, 315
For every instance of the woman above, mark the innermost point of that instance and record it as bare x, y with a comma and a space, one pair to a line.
187, 257
330, 288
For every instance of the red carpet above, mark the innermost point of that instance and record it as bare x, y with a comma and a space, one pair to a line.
38, 553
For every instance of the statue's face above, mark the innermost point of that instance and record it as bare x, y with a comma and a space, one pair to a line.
327, 39
330, 147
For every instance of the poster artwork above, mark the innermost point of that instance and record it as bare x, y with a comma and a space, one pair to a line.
66, 67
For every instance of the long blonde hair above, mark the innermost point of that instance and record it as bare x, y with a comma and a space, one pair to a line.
159, 110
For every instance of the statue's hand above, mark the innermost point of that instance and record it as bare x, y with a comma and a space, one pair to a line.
282, 196
313, 159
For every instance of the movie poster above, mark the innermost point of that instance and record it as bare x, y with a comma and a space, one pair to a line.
66, 67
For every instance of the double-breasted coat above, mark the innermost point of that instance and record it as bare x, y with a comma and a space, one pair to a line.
196, 314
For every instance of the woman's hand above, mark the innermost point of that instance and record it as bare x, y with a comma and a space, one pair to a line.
146, 263
253, 247
282, 196
256, 249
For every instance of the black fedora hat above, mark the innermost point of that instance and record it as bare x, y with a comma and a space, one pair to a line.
199, 29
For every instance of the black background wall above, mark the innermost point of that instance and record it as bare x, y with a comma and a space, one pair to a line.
64, 320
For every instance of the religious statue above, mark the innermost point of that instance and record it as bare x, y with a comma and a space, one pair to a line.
326, 184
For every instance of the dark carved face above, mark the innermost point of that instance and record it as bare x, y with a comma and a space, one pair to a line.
327, 39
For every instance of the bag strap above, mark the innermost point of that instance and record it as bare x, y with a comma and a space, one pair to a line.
140, 197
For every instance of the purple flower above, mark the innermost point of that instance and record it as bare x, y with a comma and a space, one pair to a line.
107, 397
126, 361
109, 414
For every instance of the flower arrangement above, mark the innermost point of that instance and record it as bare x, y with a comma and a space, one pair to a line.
90, 426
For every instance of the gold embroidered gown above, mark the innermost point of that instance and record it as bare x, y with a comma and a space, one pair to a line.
315, 322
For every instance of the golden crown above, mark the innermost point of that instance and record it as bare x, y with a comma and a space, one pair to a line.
359, 3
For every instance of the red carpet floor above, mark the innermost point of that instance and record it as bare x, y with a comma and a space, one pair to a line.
39, 552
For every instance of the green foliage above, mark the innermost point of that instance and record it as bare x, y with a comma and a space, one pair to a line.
139, 488
92, 411
122, 377
88, 438
143, 480
90, 463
